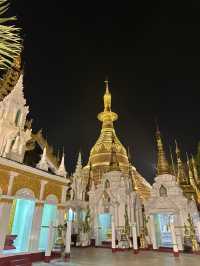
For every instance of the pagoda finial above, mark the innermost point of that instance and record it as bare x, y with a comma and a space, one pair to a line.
107, 85
62, 170
107, 98
162, 164
78, 165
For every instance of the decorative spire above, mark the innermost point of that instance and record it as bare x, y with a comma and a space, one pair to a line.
114, 164
162, 164
195, 170
192, 180
129, 155
107, 98
189, 170
180, 168
62, 170
78, 165
107, 116
43, 164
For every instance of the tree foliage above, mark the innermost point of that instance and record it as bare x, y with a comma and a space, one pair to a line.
10, 40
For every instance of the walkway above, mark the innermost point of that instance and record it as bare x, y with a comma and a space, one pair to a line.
104, 257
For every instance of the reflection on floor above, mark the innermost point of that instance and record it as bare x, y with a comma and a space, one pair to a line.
104, 257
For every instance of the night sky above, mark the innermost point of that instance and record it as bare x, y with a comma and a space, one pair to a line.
149, 50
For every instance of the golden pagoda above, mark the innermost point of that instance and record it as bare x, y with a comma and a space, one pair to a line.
101, 153
108, 148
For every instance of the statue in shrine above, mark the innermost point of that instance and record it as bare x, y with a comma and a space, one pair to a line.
59, 243
195, 245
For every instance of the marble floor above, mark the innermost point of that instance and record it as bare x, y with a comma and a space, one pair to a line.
104, 257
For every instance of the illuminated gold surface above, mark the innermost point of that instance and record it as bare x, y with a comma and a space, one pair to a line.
12, 215
100, 154
162, 164
5, 200
53, 188
31, 183
4, 180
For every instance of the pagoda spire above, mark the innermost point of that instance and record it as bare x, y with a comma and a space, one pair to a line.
192, 179
107, 97
107, 116
189, 170
62, 170
180, 168
195, 170
162, 163
43, 164
78, 165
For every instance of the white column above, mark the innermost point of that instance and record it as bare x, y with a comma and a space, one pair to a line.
64, 192
113, 234
49, 243
153, 232
96, 228
134, 235
5, 208
42, 187
174, 240
36, 227
10, 184
198, 230
68, 239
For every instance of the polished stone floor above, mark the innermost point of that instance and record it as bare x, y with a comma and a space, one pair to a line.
104, 257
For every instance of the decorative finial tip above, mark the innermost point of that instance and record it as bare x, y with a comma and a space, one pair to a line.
107, 86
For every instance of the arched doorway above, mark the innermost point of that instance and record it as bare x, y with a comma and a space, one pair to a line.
163, 234
21, 218
105, 231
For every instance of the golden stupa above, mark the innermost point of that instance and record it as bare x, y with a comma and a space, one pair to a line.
109, 154
100, 154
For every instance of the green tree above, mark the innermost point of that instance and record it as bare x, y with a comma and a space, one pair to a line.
10, 40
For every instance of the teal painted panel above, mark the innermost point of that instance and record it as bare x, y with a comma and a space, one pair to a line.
22, 223
49, 215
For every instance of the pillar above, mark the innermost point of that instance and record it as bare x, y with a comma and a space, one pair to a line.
64, 193
134, 235
42, 187
174, 240
153, 232
50, 243
36, 227
68, 239
5, 208
113, 235
198, 230
10, 184
96, 228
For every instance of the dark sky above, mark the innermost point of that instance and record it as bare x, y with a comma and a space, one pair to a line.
149, 50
